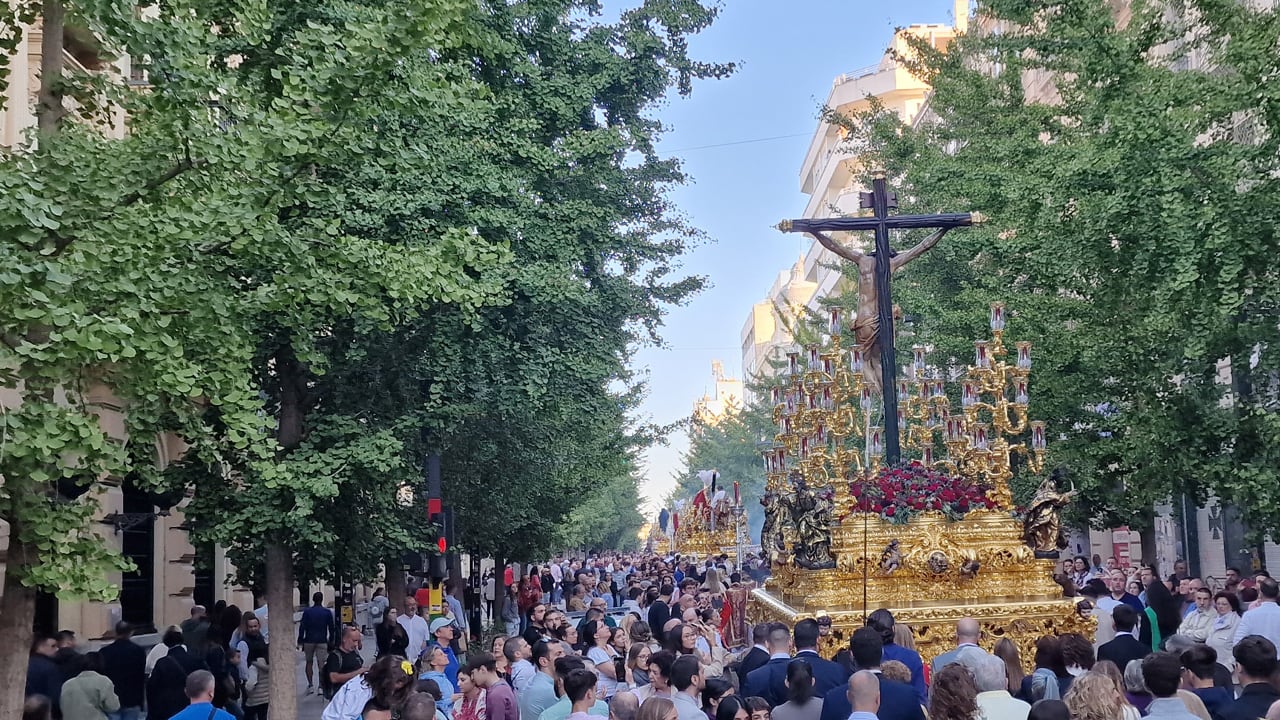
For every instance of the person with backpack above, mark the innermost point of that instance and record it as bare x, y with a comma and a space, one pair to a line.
378, 605
343, 664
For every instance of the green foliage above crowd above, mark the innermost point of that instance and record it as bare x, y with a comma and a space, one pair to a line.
334, 237
1129, 169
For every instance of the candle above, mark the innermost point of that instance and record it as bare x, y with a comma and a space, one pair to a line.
793, 363
980, 350
804, 448
980, 436
926, 456
857, 360
876, 438
815, 360
1037, 435
1022, 398
969, 396
812, 399
776, 395
1024, 355
917, 358
866, 397
904, 391
997, 316
953, 428
828, 366
786, 426
820, 434
902, 417
737, 500
834, 326
939, 390
828, 403
791, 402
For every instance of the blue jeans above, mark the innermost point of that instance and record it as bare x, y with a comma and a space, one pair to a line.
513, 628
126, 713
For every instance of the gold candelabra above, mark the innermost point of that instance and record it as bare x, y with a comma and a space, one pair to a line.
820, 410
823, 410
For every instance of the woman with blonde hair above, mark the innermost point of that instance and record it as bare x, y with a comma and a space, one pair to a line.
1112, 672
1007, 651
657, 708
902, 636
1093, 696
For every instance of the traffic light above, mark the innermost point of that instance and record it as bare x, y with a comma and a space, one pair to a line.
438, 568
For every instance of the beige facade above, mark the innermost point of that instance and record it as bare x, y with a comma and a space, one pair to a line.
768, 331
727, 397
167, 583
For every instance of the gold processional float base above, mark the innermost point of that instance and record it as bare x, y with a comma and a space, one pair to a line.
941, 571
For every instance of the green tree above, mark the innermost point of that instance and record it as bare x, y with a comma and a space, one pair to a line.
147, 265
1132, 200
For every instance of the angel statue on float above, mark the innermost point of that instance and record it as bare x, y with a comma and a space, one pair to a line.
1042, 528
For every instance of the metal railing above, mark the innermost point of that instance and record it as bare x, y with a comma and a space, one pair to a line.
864, 72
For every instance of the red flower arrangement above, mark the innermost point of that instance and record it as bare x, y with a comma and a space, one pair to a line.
900, 493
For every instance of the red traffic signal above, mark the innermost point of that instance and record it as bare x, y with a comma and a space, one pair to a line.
444, 545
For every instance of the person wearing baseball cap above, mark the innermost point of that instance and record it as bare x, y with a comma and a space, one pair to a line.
442, 635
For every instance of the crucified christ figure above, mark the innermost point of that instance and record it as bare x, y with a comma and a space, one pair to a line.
866, 325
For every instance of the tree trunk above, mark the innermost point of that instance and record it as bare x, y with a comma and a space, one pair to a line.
49, 108
17, 615
395, 583
280, 586
283, 654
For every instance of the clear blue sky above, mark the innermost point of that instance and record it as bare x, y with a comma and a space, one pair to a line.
788, 54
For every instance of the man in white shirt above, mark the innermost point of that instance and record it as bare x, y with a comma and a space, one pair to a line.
686, 678
990, 675
518, 653
1263, 620
415, 627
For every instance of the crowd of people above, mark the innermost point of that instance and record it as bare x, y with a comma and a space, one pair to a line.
655, 638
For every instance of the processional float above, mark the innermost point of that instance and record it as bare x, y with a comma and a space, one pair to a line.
851, 525
711, 523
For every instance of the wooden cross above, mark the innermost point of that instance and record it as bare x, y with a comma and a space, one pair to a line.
877, 267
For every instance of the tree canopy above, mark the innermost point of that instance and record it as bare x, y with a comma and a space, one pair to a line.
1127, 159
332, 239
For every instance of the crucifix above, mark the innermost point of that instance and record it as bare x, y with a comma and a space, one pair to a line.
875, 302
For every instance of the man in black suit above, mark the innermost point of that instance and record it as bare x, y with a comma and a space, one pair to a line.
1256, 664
898, 701
124, 662
757, 656
761, 680
826, 674
1125, 646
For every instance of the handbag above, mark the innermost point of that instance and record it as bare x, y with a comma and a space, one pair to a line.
230, 687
